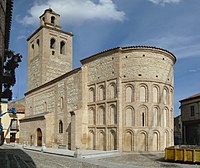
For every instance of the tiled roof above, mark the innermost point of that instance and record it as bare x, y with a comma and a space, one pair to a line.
124, 48
20, 106
191, 97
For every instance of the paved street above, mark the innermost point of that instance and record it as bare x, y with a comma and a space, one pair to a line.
16, 158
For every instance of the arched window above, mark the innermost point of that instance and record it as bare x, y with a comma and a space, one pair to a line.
101, 115
165, 117
165, 96
129, 117
129, 94
61, 103
143, 116
60, 126
101, 92
91, 116
62, 47
38, 42
113, 115
112, 90
155, 94
53, 19
91, 95
155, 116
52, 43
143, 94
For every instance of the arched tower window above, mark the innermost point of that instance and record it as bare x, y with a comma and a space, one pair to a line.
61, 102
113, 115
143, 116
112, 90
91, 116
53, 19
101, 92
165, 96
60, 126
62, 47
52, 43
129, 117
129, 94
91, 95
155, 116
165, 117
101, 115
38, 42
155, 94
143, 93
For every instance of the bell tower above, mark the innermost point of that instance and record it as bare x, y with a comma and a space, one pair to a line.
49, 51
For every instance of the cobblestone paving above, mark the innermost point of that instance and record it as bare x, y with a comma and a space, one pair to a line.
146, 160
16, 158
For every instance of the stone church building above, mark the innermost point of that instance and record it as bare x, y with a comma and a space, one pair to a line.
119, 99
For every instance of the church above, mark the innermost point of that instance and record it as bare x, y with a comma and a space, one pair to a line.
119, 99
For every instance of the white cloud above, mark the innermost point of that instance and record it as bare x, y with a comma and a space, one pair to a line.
163, 2
75, 11
21, 37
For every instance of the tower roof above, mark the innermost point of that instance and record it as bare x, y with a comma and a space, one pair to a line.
50, 11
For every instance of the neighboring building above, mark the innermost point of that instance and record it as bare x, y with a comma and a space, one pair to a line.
10, 121
177, 130
5, 26
190, 112
120, 99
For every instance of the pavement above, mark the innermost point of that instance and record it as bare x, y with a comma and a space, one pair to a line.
65, 152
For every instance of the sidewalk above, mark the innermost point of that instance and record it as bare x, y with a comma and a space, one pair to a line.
65, 152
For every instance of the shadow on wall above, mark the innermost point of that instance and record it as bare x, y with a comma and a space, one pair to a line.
15, 158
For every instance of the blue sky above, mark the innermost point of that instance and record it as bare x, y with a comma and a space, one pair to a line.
103, 24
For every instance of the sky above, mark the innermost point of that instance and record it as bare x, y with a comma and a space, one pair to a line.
98, 25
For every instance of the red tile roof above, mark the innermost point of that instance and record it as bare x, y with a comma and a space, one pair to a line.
20, 105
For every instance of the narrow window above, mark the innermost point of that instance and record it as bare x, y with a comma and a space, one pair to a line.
91, 116
129, 117
53, 19
155, 95
143, 119
165, 96
129, 94
62, 47
192, 110
45, 106
38, 42
101, 92
61, 102
91, 95
52, 43
143, 94
60, 126
112, 90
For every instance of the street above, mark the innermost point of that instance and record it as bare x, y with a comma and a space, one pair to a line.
11, 157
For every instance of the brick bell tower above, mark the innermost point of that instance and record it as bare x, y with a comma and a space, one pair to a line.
49, 51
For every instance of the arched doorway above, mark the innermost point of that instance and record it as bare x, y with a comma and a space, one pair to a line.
39, 137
